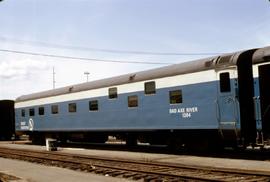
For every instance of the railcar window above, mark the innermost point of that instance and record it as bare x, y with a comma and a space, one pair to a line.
225, 85
93, 105
133, 101
176, 97
41, 111
149, 88
23, 113
32, 112
113, 93
54, 109
72, 107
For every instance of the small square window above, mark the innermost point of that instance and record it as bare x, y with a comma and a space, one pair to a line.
23, 113
41, 111
176, 97
32, 112
133, 101
113, 93
93, 105
149, 88
54, 109
72, 107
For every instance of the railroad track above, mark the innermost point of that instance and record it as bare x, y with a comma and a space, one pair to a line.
6, 178
135, 170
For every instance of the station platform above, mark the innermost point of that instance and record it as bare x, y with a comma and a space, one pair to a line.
213, 162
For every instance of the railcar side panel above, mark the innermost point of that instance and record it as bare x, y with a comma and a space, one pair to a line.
197, 111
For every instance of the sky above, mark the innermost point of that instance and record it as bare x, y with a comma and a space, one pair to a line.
97, 29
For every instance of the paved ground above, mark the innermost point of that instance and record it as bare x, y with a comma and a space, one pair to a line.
34, 172
177, 159
29, 172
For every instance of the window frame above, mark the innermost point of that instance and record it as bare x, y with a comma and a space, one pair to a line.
148, 85
32, 112
172, 97
71, 108
113, 95
93, 107
40, 113
52, 109
23, 113
224, 82
130, 101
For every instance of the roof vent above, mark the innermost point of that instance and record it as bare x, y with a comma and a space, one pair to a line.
70, 89
224, 59
131, 77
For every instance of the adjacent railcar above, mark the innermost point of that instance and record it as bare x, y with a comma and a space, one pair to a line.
218, 100
7, 119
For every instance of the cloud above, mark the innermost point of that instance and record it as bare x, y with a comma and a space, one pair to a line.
21, 68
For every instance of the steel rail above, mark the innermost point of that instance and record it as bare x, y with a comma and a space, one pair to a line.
140, 169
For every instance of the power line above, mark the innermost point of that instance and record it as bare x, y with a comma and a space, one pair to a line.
115, 51
80, 58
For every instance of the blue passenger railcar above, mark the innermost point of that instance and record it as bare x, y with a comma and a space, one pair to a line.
208, 101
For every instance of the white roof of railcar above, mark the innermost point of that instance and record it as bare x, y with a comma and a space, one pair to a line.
175, 69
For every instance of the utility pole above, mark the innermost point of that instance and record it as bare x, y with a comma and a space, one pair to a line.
87, 74
53, 78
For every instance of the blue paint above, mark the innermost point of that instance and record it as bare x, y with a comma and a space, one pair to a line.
152, 112
257, 103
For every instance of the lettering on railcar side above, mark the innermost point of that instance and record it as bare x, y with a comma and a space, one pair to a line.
185, 112
24, 125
